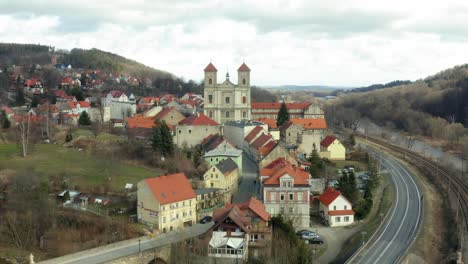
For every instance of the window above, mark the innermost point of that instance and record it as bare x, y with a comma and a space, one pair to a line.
210, 114
334, 207
291, 196
282, 210
283, 184
289, 134
212, 185
244, 114
345, 207
244, 99
282, 197
190, 212
290, 210
337, 219
272, 196
183, 203
211, 159
214, 168
190, 131
228, 100
210, 98
177, 216
253, 237
243, 81
227, 114
180, 131
163, 208
346, 219
289, 184
210, 81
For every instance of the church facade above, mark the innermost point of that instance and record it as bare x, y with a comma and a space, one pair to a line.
227, 101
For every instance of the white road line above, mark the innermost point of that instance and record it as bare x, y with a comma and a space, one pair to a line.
404, 216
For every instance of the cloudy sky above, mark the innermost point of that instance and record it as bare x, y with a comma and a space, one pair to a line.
342, 43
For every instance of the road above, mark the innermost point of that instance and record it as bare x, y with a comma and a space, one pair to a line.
392, 241
129, 247
248, 186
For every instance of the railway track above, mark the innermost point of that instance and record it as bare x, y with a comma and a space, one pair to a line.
456, 184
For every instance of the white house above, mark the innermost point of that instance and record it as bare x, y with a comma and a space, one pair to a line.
335, 208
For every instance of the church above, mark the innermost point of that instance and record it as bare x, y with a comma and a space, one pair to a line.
227, 101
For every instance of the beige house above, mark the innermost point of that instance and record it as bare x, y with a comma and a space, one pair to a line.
192, 130
166, 203
224, 176
207, 200
170, 115
335, 208
302, 134
332, 149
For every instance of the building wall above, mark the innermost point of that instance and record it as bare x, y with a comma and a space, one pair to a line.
153, 111
307, 141
291, 135
193, 135
120, 110
173, 117
147, 206
216, 159
337, 151
275, 133
236, 134
277, 152
296, 209
340, 203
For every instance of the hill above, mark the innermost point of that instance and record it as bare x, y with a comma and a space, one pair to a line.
436, 106
23, 54
110, 62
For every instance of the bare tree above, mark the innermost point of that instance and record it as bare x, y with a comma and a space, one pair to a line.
23, 133
96, 127
410, 141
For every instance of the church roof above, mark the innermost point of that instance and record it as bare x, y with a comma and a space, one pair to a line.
210, 68
243, 68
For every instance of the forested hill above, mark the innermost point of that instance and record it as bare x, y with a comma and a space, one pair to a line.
431, 106
109, 62
22, 54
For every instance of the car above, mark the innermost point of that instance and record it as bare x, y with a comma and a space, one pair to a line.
206, 219
315, 240
300, 232
309, 235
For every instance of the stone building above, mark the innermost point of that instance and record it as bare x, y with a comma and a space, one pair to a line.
227, 101
192, 130
296, 110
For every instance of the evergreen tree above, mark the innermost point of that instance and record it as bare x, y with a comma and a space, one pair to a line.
373, 175
156, 140
5, 123
76, 91
283, 115
167, 139
84, 119
316, 162
347, 186
20, 100
34, 101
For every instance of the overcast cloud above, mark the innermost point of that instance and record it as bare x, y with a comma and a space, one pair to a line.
345, 43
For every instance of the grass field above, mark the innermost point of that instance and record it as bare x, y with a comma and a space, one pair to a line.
77, 167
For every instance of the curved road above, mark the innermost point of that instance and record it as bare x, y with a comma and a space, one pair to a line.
392, 241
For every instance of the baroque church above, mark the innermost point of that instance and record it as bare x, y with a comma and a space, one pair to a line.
227, 101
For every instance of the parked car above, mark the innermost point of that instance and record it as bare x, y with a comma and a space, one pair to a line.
306, 234
206, 219
364, 177
315, 240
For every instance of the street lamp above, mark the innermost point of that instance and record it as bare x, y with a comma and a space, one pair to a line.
363, 234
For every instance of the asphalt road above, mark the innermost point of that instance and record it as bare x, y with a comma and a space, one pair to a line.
400, 229
129, 247
248, 186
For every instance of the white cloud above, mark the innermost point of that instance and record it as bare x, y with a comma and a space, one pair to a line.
284, 42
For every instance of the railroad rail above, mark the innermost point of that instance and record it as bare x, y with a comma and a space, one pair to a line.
458, 185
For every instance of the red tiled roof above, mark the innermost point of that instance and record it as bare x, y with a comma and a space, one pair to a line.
341, 212
279, 169
115, 93
147, 100
83, 104
329, 196
267, 148
271, 122
263, 105
30, 82
327, 141
261, 140
67, 80
198, 119
253, 133
60, 93
170, 188
232, 212
139, 121
210, 68
256, 207
243, 68
306, 123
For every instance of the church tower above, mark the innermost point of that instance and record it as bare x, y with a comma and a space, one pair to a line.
227, 101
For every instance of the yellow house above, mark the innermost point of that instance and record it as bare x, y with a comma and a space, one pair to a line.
224, 176
166, 202
332, 149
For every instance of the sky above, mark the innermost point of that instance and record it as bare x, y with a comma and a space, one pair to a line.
312, 42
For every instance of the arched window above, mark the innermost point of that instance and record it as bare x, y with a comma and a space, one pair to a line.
244, 99
210, 81
228, 100
210, 99
244, 114
243, 81
227, 114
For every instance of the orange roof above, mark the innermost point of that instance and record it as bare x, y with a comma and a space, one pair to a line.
68, 80
279, 169
138, 121
341, 212
261, 140
267, 148
83, 104
171, 188
327, 141
210, 68
198, 119
307, 123
263, 105
257, 207
329, 196
271, 122
253, 133
148, 100
243, 68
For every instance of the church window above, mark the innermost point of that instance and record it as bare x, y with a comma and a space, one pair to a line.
210, 98
228, 100
244, 99
227, 114
243, 81
210, 81
211, 114
244, 114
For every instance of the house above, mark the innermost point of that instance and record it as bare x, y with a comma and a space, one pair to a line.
224, 176
236, 131
229, 235
296, 110
302, 134
118, 105
273, 128
258, 143
149, 101
141, 127
166, 202
285, 191
192, 130
170, 115
270, 153
216, 148
332, 149
79, 107
152, 111
207, 200
335, 208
